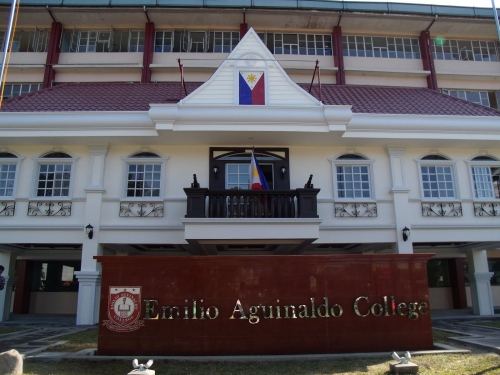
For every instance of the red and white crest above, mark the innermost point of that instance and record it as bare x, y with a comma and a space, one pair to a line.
124, 308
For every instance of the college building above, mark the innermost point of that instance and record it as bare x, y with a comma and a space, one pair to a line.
127, 129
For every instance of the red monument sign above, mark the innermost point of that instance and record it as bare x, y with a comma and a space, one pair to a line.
237, 305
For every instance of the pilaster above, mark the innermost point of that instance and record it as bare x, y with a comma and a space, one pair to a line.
53, 52
338, 54
428, 59
89, 292
479, 278
147, 56
400, 192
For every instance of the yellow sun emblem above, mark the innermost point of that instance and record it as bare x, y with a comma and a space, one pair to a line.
251, 78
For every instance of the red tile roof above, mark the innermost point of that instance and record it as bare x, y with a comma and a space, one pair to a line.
138, 96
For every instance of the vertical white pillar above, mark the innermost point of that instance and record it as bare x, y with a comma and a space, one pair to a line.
8, 260
400, 192
479, 278
89, 277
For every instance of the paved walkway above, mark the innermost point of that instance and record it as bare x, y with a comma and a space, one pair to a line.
41, 332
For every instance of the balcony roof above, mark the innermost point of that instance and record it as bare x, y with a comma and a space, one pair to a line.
123, 97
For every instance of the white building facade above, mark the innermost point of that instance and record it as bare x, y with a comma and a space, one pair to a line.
96, 162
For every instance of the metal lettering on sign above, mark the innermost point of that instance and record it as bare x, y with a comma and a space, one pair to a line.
124, 309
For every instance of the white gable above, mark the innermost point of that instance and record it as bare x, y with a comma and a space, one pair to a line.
250, 55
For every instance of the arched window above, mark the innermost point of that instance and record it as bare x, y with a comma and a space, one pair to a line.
437, 175
352, 177
144, 173
9, 165
54, 175
485, 172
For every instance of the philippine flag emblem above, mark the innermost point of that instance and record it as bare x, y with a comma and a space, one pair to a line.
252, 89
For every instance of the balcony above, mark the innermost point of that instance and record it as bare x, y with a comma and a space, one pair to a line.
287, 218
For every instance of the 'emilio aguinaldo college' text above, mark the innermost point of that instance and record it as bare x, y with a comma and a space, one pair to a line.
362, 307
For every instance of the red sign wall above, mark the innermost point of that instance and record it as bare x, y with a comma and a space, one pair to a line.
242, 305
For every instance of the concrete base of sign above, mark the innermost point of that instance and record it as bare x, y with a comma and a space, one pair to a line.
143, 372
407, 368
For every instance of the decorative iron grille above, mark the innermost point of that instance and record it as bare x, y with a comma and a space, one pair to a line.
141, 209
442, 209
355, 209
487, 209
49, 208
7, 208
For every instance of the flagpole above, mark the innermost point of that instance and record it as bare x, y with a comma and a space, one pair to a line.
8, 47
496, 18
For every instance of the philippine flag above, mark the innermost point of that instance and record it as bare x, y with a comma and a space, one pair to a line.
252, 88
257, 179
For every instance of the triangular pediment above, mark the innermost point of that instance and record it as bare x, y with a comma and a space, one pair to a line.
250, 75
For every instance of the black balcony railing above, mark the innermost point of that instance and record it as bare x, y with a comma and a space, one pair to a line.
205, 203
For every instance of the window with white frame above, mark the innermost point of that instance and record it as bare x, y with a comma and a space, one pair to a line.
54, 175
102, 40
464, 50
225, 41
380, 46
163, 41
17, 89
478, 97
437, 176
144, 175
298, 44
27, 40
485, 173
9, 165
352, 177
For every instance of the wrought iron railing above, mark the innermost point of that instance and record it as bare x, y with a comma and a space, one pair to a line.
205, 203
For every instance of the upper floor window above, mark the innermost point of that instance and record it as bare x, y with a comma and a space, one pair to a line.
485, 172
102, 40
380, 46
230, 168
196, 41
17, 89
27, 40
465, 50
145, 173
479, 97
54, 175
9, 165
352, 176
437, 175
298, 44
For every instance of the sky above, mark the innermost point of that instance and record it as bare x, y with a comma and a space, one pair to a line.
466, 3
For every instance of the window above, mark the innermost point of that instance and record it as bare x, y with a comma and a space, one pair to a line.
102, 40
485, 173
9, 165
233, 168
27, 40
54, 175
144, 176
478, 97
464, 50
437, 177
298, 44
163, 41
352, 176
18, 89
196, 41
438, 273
379, 46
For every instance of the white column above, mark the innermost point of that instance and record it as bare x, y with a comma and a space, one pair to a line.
479, 278
8, 260
89, 277
400, 192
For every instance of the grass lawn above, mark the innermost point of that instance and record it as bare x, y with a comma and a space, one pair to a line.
76, 341
450, 364
4, 330
495, 324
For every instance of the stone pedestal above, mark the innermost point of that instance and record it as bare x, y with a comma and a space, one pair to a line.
406, 368
143, 372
